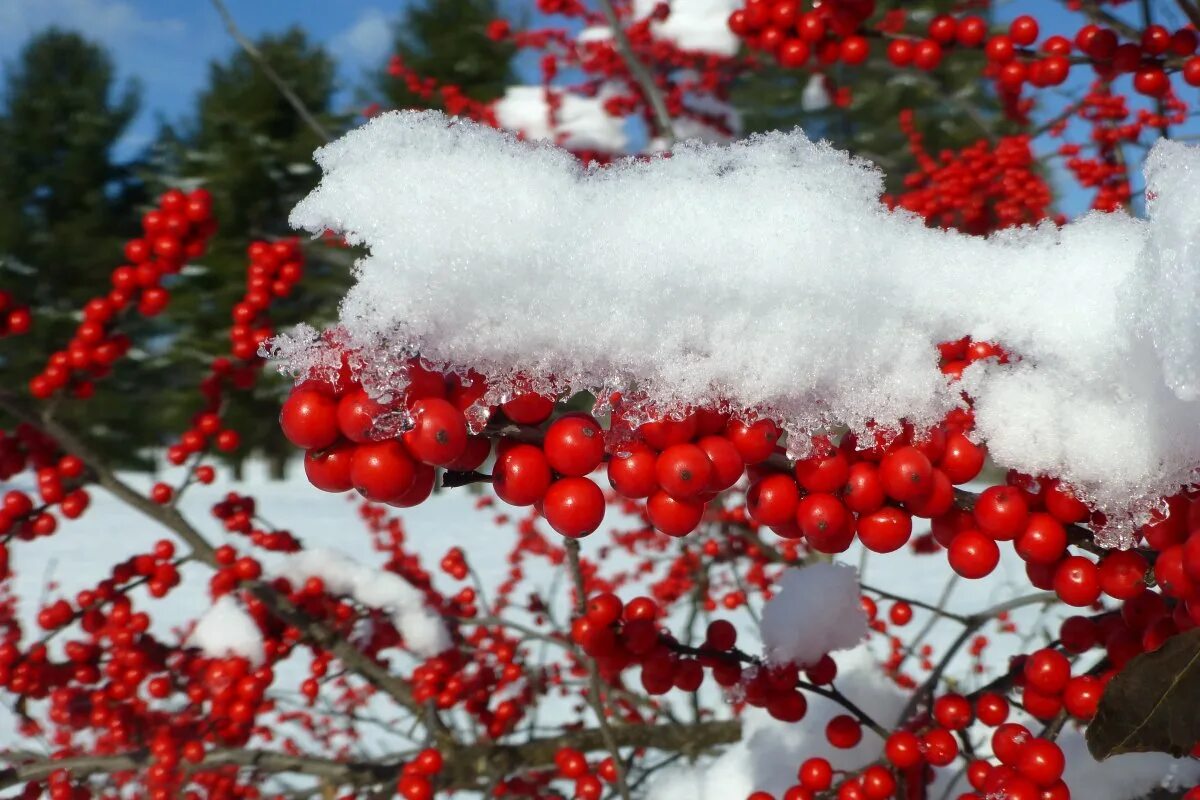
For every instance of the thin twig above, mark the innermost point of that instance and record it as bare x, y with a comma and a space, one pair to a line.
572, 547
640, 74
284, 88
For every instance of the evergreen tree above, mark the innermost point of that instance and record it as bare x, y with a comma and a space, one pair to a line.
66, 206
253, 152
447, 41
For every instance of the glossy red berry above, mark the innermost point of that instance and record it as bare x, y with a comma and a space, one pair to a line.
382, 471
973, 555
309, 419
522, 475
683, 471
439, 432
574, 506
885, 530
574, 445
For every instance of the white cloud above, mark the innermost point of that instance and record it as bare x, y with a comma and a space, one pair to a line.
367, 42
109, 21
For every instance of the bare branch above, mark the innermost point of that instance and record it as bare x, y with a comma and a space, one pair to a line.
284, 88
610, 741
464, 766
645, 81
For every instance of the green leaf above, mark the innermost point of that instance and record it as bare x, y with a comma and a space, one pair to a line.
1153, 704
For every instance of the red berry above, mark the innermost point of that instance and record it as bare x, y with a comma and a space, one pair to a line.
727, 464
843, 732
522, 475
309, 419
1043, 541
825, 522
574, 506
1042, 762
382, 471
1001, 512
906, 474
886, 530
973, 555
903, 749
631, 473
672, 516
1077, 581
772, 500
756, 441
528, 409
439, 432
823, 473
1047, 671
683, 471
962, 459
574, 445
1122, 574
357, 414
863, 492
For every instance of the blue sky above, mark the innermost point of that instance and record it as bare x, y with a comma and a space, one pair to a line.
167, 44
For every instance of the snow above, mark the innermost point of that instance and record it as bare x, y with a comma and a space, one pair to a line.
225, 629
815, 611
423, 630
694, 24
815, 96
767, 273
581, 123
1121, 777
770, 751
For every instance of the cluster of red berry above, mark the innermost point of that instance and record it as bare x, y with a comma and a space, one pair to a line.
173, 233
982, 188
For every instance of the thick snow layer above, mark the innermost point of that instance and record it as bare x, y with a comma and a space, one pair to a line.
815, 610
768, 274
423, 629
770, 751
225, 629
581, 123
694, 24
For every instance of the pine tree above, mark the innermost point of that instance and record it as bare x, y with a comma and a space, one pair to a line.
253, 152
66, 206
447, 41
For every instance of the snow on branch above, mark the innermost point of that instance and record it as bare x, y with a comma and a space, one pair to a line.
767, 274
423, 629
815, 611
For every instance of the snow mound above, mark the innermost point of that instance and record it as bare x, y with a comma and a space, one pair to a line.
226, 630
816, 610
423, 630
767, 273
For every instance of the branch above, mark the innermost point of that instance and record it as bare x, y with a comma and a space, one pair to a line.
606, 732
1191, 11
314, 630
972, 625
641, 75
464, 766
284, 88
1096, 14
